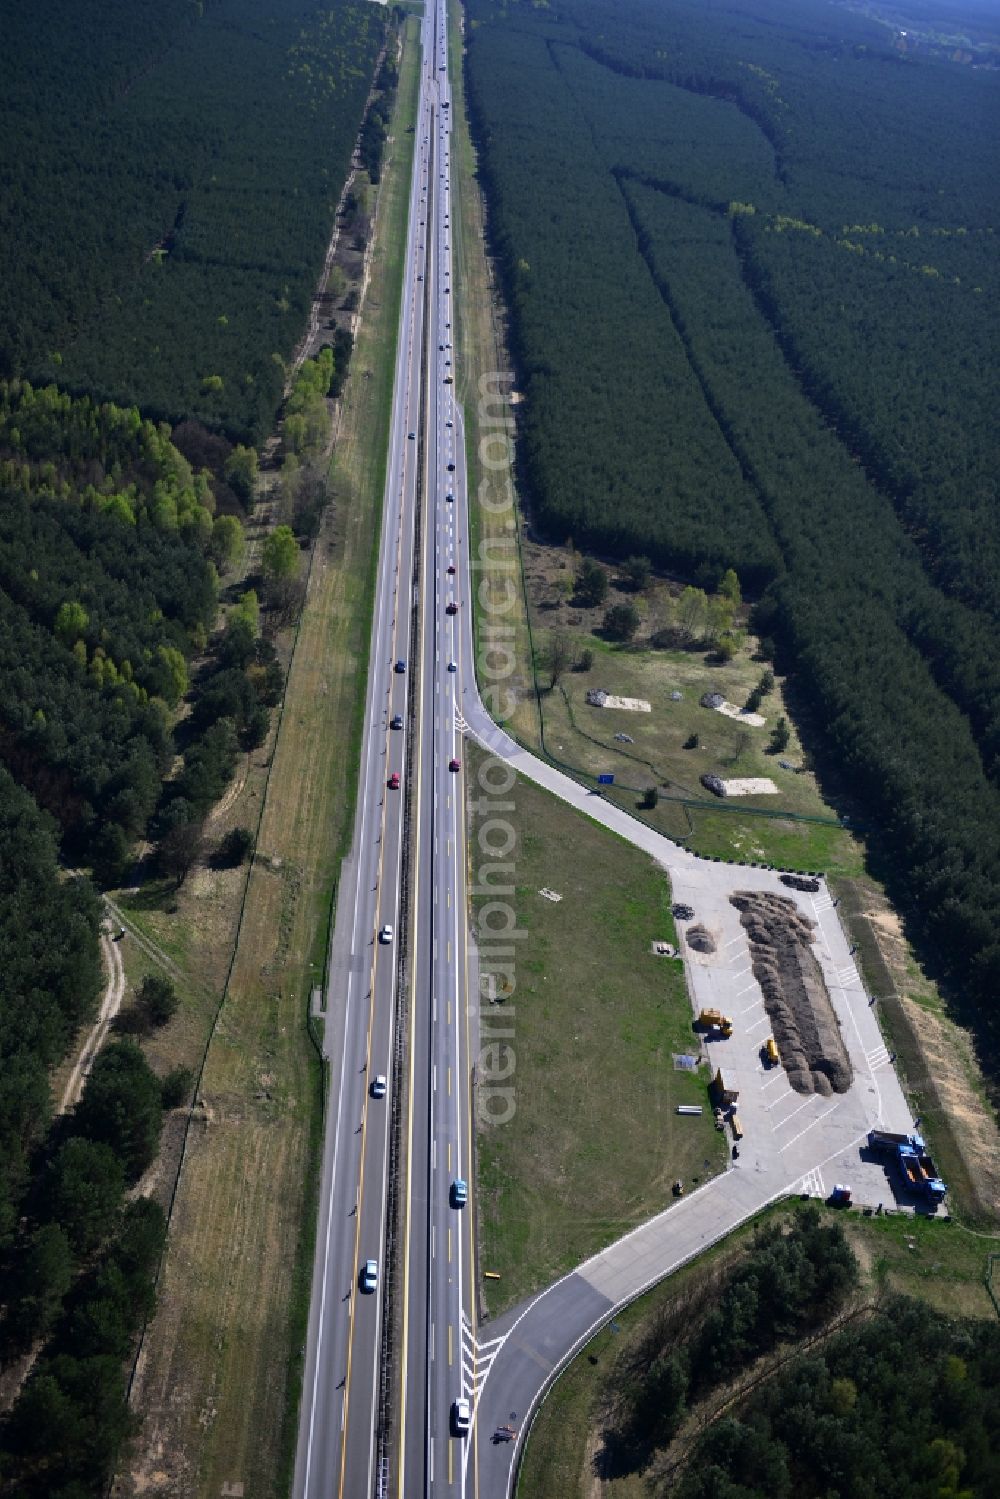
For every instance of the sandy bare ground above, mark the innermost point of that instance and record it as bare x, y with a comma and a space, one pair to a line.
750, 786
235, 791
949, 1056
731, 710
111, 1003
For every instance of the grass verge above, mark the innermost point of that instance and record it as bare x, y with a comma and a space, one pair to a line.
218, 1377
594, 1142
485, 381
933, 1261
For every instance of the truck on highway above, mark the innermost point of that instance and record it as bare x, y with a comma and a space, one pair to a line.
716, 1023
913, 1161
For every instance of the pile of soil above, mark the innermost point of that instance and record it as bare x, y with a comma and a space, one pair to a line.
798, 1005
700, 938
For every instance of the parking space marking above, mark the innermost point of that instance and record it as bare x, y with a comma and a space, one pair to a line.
803, 1105
752, 1028
818, 1120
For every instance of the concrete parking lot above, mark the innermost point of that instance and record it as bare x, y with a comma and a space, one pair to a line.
784, 1131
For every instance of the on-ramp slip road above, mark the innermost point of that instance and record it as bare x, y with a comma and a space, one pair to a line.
407, 1360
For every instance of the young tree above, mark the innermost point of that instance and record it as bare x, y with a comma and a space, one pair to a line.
728, 644
174, 676
621, 621
555, 657
591, 584
228, 543
636, 573
158, 999
729, 588
741, 743
83, 1190
780, 736
280, 554
180, 848
121, 1106
719, 620
692, 614
242, 469
253, 731
233, 849
71, 622
110, 855
175, 1088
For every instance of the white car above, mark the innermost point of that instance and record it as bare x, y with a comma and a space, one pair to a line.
461, 1416
385, 934
379, 1086
368, 1279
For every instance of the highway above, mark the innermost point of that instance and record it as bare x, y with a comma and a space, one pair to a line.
421, 1126
438, 1301
387, 1372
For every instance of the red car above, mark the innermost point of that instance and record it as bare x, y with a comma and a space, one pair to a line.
454, 764
393, 781
452, 608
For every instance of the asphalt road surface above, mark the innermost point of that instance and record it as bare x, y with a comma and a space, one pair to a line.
415, 642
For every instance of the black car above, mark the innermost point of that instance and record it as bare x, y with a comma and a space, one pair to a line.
396, 721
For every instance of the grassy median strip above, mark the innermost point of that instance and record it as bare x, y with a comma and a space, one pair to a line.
217, 1384
593, 1023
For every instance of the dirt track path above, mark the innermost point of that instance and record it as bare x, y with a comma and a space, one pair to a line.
114, 993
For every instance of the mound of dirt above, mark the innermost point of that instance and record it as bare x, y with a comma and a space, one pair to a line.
700, 938
798, 1005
